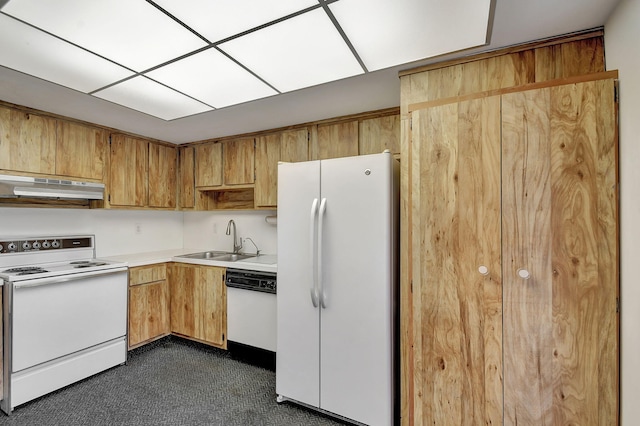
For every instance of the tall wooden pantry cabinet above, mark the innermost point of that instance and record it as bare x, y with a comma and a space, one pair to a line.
510, 254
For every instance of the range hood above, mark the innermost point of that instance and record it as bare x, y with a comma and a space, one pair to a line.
35, 187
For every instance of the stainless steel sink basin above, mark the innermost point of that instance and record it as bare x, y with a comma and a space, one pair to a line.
204, 254
222, 256
232, 257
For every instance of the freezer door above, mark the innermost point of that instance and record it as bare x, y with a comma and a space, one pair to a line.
356, 361
298, 340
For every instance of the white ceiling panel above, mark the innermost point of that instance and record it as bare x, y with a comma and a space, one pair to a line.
133, 33
34, 52
299, 52
147, 96
212, 78
403, 31
217, 20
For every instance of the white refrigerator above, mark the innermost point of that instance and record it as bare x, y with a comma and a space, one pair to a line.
337, 279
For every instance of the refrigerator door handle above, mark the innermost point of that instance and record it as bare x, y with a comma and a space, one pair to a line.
312, 252
323, 208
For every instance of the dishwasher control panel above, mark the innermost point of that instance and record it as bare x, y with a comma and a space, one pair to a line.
265, 282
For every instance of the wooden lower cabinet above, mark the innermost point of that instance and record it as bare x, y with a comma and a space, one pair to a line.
199, 303
148, 304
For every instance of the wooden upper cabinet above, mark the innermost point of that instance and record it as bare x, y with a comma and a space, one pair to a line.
238, 162
337, 140
186, 177
162, 175
27, 142
128, 171
80, 151
378, 134
208, 164
290, 146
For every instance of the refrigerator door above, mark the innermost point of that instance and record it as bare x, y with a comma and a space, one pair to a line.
356, 355
298, 333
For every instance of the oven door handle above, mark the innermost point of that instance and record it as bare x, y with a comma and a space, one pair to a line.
66, 278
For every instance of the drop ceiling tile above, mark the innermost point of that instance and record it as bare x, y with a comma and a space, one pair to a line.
145, 95
217, 20
212, 78
390, 33
300, 52
34, 52
133, 33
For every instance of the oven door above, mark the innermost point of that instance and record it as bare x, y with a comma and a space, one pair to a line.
54, 317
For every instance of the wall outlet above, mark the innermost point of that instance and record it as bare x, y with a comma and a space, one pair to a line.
138, 228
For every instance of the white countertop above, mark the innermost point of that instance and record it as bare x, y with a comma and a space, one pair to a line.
264, 262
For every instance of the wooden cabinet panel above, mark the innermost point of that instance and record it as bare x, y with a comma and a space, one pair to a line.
378, 134
162, 175
289, 146
559, 181
238, 162
128, 171
208, 164
80, 151
337, 140
198, 303
148, 304
186, 177
27, 142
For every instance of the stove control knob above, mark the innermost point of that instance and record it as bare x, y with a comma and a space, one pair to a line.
46, 244
55, 244
26, 245
1, 248
36, 245
12, 246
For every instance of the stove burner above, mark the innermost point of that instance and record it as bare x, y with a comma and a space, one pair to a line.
26, 270
87, 264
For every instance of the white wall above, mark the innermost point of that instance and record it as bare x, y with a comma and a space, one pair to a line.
115, 230
206, 230
622, 32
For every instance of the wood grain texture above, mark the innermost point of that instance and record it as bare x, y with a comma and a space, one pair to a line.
380, 133
337, 140
290, 146
27, 142
238, 161
457, 328
128, 171
148, 312
560, 325
186, 177
208, 158
147, 274
80, 151
162, 175
198, 303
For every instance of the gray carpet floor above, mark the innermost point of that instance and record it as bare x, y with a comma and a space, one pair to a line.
169, 382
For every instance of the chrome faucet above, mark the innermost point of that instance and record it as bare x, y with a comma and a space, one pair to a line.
254, 244
236, 246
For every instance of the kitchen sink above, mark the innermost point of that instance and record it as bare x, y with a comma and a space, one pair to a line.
217, 255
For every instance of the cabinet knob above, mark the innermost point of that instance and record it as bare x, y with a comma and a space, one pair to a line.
524, 274
483, 270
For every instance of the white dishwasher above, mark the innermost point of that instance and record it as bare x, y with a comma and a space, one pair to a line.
251, 308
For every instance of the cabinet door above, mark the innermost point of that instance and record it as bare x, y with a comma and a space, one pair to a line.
148, 312
456, 370
186, 177
80, 151
560, 246
128, 171
290, 146
162, 175
238, 162
199, 303
27, 142
209, 164
378, 134
337, 140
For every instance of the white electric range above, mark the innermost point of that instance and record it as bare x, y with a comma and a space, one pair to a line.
65, 314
